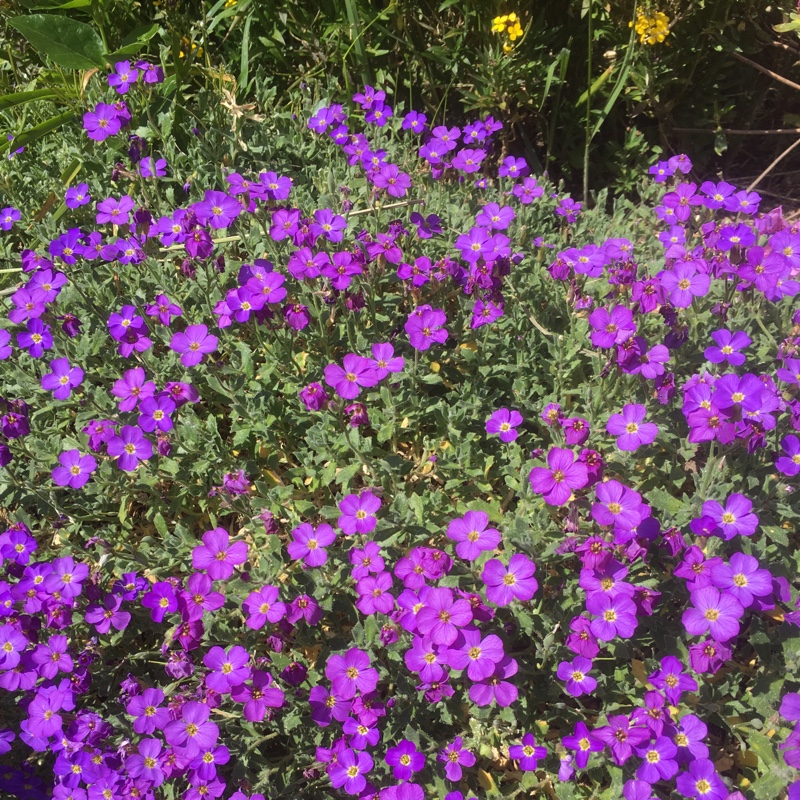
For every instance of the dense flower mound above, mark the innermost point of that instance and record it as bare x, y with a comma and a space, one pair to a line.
420, 575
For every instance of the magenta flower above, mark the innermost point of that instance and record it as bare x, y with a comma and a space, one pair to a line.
424, 326
516, 581
193, 343
75, 469
478, 655
672, 680
713, 612
611, 327
328, 225
473, 535
217, 556
497, 688
560, 478
12, 643
348, 771
576, 674
62, 378
504, 422
616, 616
129, 447
385, 361
455, 756
617, 505
357, 373
115, 211
163, 309
351, 673
131, 388
263, 606
374, 594
309, 544
629, 428
227, 669
443, 615
358, 513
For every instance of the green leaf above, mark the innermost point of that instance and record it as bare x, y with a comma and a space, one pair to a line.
18, 98
43, 128
71, 44
133, 42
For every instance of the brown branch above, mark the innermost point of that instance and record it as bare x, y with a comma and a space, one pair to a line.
780, 158
738, 132
766, 71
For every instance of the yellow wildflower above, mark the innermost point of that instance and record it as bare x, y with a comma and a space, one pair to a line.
651, 28
230, 3
508, 24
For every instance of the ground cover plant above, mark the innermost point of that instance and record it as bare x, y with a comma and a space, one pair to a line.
391, 473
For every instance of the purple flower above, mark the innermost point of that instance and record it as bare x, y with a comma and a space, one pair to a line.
115, 211
788, 462
617, 505
390, 178
478, 655
702, 782
328, 225
575, 673
504, 584
504, 422
630, 430
385, 361
672, 680
123, 77
217, 209
351, 673
101, 123
163, 309
227, 669
442, 615
611, 327
405, 760
455, 756
560, 478
193, 731
217, 556
62, 379
424, 326
309, 544
155, 413
129, 447
683, 283
152, 168
358, 513
347, 381
528, 753
374, 595
735, 519
66, 577
36, 339
727, 346
258, 697
622, 737
75, 469
658, 760
583, 743
742, 579
263, 606
472, 535
496, 688
713, 612
161, 600
348, 771
314, 396
193, 343
132, 387
469, 160
616, 616
149, 715
8, 216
